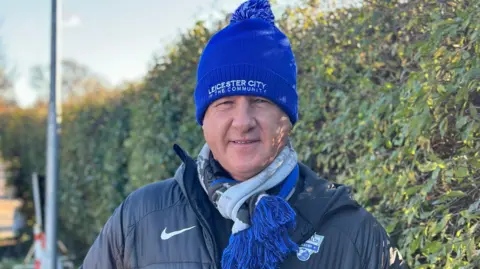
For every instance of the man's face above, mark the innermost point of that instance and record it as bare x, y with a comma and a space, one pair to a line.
245, 133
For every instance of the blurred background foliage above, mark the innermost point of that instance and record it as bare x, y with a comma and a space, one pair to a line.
389, 104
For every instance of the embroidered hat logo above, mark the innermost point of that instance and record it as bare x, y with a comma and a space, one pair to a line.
238, 85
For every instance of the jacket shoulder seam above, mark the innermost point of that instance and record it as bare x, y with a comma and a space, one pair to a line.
364, 262
351, 241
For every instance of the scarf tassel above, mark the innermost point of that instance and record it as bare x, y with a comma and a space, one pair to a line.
267, 242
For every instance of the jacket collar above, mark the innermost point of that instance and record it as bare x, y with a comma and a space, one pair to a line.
187, 178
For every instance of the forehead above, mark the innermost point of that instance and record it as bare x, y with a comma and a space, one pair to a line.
240, 97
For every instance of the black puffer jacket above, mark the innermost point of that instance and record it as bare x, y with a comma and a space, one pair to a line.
171, 224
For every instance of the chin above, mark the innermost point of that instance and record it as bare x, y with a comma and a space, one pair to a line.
249, 168
244, 168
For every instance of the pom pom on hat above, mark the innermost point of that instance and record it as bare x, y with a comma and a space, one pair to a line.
259, 9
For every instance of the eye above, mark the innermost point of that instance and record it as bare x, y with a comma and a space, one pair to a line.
261, 100
228, 102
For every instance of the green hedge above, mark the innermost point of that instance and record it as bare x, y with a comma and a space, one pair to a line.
389, 101
93, 167
22, 148
390, 107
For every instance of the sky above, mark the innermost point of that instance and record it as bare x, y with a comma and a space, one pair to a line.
115, 38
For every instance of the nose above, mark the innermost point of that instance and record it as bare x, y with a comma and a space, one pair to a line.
243, 116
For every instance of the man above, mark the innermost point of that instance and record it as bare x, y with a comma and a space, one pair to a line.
245, 201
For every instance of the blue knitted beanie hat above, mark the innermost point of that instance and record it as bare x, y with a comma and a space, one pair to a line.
250, 56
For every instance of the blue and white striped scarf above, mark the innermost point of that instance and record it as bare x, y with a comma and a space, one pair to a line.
261, 221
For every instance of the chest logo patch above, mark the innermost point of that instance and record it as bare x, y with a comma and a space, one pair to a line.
310, 247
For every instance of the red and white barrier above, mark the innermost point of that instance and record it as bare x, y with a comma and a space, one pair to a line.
40, 247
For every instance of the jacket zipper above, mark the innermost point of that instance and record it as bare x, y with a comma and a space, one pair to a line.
211, 244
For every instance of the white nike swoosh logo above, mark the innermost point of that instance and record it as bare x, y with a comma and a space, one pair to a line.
166, 236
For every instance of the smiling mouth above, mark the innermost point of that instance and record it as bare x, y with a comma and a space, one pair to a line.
244, 142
